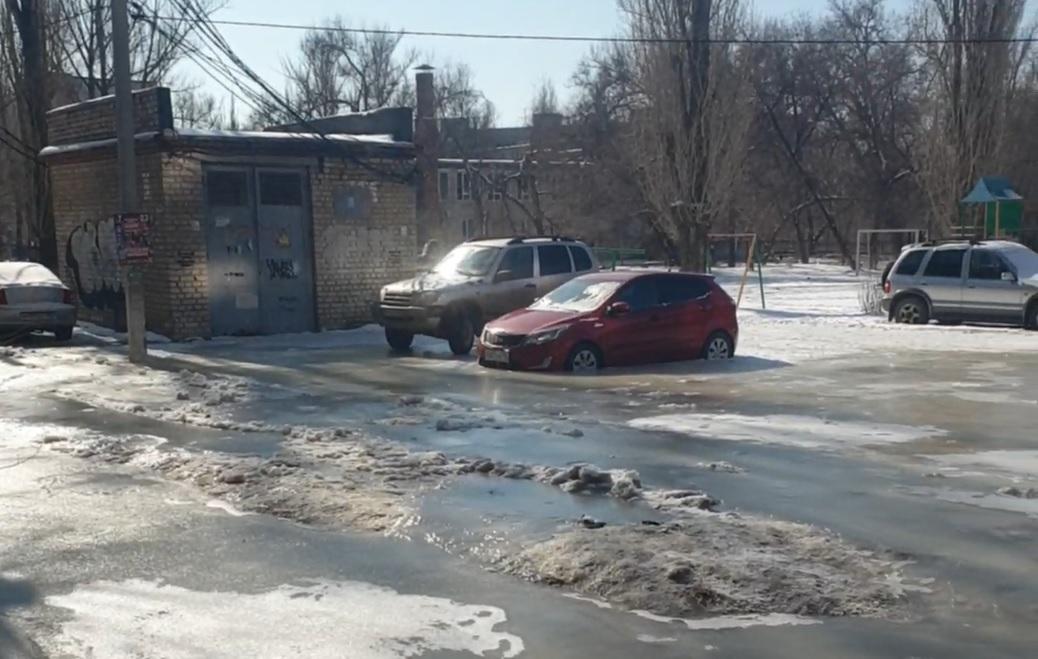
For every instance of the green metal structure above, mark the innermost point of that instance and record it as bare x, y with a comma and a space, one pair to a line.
1002, 209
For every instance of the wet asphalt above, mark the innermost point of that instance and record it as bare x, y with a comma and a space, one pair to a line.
981, 561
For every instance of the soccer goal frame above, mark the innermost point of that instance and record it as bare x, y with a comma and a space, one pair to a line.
916, 234
751, 254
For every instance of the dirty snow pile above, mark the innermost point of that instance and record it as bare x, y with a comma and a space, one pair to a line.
717, 564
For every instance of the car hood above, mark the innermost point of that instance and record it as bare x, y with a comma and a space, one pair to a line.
430, 281
529, 321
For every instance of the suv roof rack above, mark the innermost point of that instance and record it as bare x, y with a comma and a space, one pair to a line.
522, 239
948, 241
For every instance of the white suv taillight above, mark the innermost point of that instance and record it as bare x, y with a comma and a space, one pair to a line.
887, 287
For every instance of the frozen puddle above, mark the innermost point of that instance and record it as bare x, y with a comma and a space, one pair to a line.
713, 623
718, 623
1017, 463
133, 619
1001, 502
787, 429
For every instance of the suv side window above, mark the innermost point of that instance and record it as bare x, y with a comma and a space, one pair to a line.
945, 263
985, 264
678, 290
554, 260
640, 294
581, 260
910, 263
519, 262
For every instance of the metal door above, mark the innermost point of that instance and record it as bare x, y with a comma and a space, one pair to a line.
987, 294
231, 244
286, 288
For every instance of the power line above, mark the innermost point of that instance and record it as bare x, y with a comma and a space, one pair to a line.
748, 41
212, 38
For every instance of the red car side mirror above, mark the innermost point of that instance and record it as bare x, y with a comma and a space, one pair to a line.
618, 309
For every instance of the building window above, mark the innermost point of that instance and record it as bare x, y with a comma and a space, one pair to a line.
445, 184
226, 188
280, 189
496, 182
464, 187
468, 229
524, 187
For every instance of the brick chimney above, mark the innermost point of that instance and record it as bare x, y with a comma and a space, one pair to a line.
546, 131
427, 144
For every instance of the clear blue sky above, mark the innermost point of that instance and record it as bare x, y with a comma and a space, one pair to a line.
507, 72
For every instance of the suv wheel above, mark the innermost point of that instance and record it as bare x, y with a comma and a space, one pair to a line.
399, 340
912, 310
462, 334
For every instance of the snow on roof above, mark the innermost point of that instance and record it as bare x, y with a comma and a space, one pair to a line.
92, 144
506, 161
95, 101
24, 273
194, 133
386, 140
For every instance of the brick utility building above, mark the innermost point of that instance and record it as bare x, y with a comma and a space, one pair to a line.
252, 232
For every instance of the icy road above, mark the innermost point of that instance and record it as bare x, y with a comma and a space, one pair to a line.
844, 488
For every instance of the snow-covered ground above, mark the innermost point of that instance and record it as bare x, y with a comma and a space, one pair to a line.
812, 312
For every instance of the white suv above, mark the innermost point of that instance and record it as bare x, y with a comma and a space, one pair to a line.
991, 281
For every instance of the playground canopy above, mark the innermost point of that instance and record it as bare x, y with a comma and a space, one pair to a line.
1003, 206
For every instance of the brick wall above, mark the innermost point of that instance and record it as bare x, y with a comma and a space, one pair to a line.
86, 194
183, 258
95, 119
358, 246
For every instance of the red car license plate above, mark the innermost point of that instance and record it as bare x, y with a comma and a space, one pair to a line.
496, 355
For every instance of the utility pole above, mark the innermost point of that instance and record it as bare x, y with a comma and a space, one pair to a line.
133, 276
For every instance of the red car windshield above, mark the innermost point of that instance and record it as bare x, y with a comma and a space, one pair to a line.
579, 295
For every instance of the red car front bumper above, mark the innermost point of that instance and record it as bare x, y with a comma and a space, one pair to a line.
547, 357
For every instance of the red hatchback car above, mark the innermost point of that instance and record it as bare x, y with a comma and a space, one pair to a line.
615, 319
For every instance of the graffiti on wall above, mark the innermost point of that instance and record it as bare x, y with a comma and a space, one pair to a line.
282, 269
94, 261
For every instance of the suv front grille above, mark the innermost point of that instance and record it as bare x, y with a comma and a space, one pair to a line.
396, 300
504, 340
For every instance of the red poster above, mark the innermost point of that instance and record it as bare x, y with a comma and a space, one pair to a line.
132, 238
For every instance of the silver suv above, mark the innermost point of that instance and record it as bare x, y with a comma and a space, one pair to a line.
992, 282
475, 282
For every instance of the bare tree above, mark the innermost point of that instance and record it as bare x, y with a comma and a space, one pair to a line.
690, 130
194, 108
973, 76
156, 45
545, 99
29, 76
340, 71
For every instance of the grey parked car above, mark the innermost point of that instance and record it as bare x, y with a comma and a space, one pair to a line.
991, 281
475, 282
33, 298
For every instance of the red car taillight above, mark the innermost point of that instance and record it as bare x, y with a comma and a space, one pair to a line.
66, 297
887, 287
